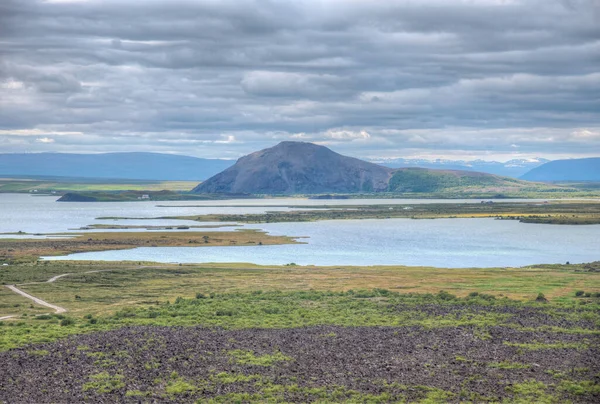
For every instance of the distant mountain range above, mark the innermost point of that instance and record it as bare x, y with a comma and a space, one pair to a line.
512, 168
587, 169
156, 166
139, 166
306, 168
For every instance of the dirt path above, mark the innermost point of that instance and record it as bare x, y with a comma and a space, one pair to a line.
57, 309
57, 277
54, 279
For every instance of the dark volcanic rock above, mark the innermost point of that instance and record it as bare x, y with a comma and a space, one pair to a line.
298, 168
404, 362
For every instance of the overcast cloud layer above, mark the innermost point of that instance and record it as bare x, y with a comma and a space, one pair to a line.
491, 79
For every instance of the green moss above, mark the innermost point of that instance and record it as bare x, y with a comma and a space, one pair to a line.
530, 392
242, 357
97, 355
435, 396
579, 388
230, 378
179, 386
151, 365
38, 352
508, 365
536, 346
137, 393
104, 383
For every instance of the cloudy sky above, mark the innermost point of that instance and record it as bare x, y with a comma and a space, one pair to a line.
491, 79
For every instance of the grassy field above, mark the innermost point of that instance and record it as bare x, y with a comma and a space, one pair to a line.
125, 285
86, 185
105, 292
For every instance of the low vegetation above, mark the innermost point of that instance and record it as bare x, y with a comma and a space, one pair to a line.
558, 212
62, 185
20, 250
364, 345
421, 180
102, 287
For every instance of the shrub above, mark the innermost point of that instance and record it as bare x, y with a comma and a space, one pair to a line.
382, 292
541, 298
579, 293
200, 296
443, 295
225, 312
66, 322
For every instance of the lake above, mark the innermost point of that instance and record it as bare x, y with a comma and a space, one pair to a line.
439, 242
456, 243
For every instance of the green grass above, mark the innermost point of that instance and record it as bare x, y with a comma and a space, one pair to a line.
509, 365
250, 358
579, 388
419, 180
104, 383
536, 346
531, 392
83, 185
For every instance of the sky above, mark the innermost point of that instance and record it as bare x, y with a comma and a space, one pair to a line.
461, 79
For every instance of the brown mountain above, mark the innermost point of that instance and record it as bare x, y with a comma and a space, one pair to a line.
298, 168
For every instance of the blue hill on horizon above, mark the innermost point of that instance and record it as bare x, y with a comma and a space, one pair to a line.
586, 169
136, 165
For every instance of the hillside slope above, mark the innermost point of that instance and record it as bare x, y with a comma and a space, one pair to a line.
424, 180
141, 166
298, 168
587, 169
512, 168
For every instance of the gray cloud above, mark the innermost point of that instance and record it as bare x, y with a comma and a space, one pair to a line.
484, 78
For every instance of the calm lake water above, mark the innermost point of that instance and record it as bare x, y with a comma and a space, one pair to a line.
439, 242
456, 243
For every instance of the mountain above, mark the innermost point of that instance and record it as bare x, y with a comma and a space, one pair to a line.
587, 169
512, 168
298, 168
139, 166
306, 168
